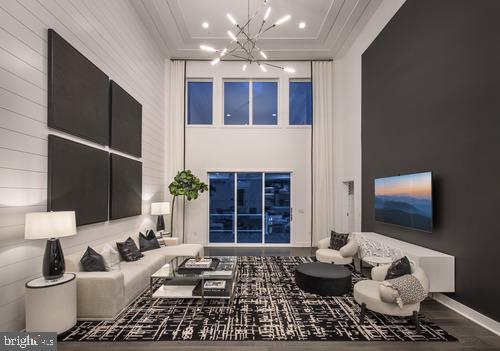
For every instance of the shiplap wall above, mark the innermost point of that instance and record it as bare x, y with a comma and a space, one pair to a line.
111, 35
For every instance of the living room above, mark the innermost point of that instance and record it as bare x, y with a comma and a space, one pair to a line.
250, 174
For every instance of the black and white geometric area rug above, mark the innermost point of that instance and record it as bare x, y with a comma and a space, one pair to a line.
268, 306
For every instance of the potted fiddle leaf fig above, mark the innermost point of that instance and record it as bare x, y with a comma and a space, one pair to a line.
186, 184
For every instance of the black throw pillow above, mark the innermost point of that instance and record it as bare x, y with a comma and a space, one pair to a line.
92, 261
148, 241
128, 250
399, 268
337, 240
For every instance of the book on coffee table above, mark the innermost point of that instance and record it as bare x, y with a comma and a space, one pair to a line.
193, 266
215, 284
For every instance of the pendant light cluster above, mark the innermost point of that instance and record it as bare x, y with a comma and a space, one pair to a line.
243, 44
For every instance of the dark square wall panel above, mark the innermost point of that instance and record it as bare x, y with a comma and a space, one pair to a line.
126, 122
78, 180
78, 93
126, 187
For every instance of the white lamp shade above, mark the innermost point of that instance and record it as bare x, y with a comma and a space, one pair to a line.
160, 208
45, 225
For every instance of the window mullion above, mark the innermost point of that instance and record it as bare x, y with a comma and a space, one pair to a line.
235, 207
250, 102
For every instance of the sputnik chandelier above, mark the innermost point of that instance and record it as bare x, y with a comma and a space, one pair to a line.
243, 44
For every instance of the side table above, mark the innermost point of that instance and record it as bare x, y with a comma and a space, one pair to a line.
51, 304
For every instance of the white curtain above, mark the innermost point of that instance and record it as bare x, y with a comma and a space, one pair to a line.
322, 150
175, 142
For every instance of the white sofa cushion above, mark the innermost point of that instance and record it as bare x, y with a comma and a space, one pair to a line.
135, 278
332, 256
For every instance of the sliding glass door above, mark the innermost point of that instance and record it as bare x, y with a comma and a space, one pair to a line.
222, 207
249, 207
277, 192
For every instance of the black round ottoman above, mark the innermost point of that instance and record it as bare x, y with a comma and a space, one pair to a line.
325, 279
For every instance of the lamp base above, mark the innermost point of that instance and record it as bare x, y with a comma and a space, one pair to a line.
160, 223
53, 260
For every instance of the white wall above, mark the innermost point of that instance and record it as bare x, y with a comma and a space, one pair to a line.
110, 34
347, 112
257, 148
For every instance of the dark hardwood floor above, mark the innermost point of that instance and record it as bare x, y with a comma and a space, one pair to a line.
472, 337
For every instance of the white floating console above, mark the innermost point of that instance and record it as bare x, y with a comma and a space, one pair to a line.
440, 267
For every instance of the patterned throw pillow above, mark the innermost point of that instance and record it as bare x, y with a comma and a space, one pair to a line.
92, 261
407, 290
398, 268
337, 240
128, 250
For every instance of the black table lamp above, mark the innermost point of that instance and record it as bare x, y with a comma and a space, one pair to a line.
51, 226
159, 209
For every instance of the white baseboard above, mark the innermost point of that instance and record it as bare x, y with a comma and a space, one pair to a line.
469, 313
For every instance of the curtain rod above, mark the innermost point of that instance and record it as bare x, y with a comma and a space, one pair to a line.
234, 60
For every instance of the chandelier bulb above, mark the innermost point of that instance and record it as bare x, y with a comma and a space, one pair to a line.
263, 68
244, 67
289, 69
231, 35
268, 11
207, 48
282, 20
263, 54
231, 18
223, 52
215, 61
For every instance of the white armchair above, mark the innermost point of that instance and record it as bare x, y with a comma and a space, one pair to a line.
373, 295
340, 257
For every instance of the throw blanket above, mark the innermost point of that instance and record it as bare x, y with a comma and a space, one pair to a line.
407, 290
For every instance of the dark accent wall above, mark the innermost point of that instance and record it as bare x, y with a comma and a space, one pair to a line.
431, 102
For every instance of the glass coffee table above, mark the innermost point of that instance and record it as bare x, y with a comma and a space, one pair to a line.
216, 284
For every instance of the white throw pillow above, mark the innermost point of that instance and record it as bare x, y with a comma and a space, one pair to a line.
111, 258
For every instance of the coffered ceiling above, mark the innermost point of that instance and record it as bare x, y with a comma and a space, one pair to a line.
330, 25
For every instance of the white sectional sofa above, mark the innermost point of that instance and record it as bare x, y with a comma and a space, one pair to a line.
103, 295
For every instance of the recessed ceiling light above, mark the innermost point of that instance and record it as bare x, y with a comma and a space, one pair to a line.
302, 25
205, 25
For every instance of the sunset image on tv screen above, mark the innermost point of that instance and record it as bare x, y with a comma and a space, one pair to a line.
405, 200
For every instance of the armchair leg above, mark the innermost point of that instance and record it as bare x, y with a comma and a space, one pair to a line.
362, 313
416, 321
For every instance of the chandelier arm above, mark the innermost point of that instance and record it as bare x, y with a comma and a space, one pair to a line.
261, 26
265, 30
244, 33
241, 57
272, 65
244, 49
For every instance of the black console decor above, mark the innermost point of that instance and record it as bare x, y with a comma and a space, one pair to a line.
78, 180
78, 92
126, 122
126, 187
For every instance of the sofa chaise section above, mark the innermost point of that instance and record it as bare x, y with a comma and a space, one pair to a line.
103, 295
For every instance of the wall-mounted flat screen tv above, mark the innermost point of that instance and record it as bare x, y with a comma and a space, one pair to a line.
405, 200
